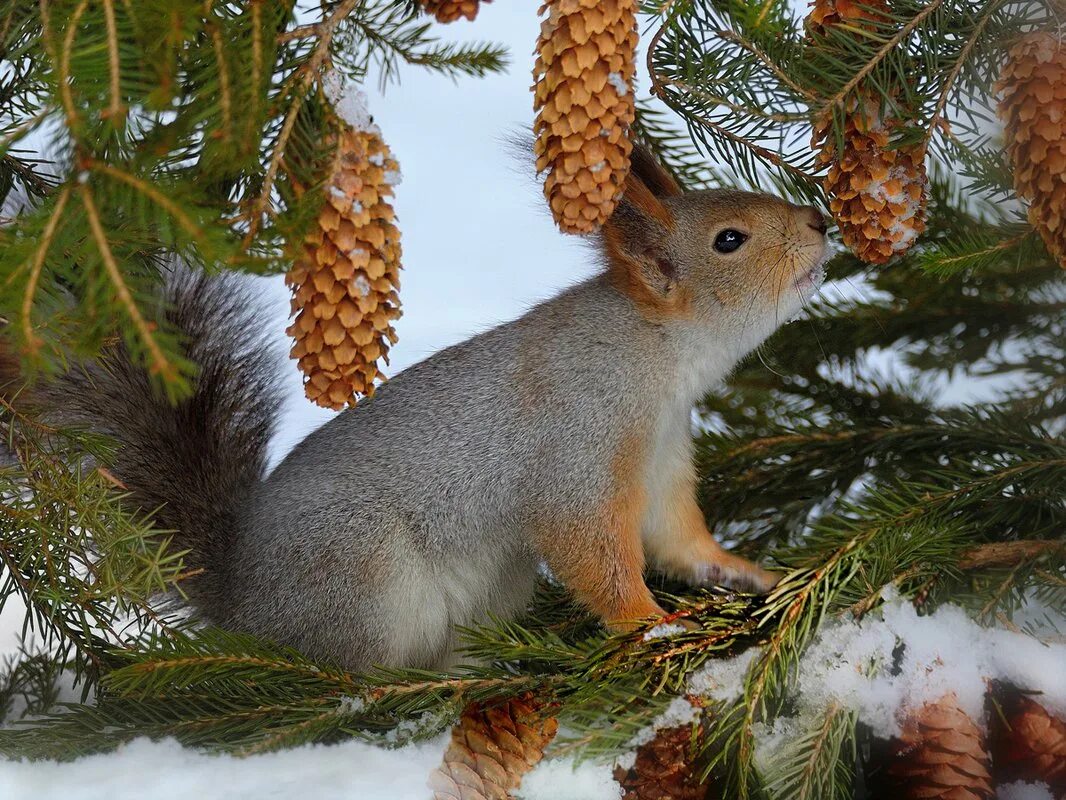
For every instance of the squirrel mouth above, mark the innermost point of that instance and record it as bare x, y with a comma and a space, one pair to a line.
810, 280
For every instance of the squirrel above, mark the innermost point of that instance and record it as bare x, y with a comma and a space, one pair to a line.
562, 438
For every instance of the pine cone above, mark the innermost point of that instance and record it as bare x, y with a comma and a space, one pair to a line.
492, 747
941, 755
583, 95
825, 13
451, 10
1028, 743
877, 194
664, 769
344, 280
1032, 106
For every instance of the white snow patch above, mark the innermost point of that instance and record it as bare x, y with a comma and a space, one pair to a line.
392, 177
349, 102
663, 630
855, 664
562, 779
377, 159
619, 83
361, 284
598, 166
164, 770
722, 679
1020, 790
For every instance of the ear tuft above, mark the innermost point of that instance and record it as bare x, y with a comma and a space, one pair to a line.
651, 173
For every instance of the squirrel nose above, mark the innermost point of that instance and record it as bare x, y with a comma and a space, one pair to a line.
817, 221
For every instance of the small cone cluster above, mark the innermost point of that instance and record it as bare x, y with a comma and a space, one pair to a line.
1028, 742
877, 193
664, 769
583, 95
491, 748
1032, 106
940, 755
345, 278
451, 10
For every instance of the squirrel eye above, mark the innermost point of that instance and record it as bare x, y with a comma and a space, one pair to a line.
729, 240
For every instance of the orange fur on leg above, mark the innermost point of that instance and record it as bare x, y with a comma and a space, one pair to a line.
680, 544
599, 556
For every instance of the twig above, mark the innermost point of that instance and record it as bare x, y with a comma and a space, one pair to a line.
161, 364
967, 48
325, 30
879, 56
153, 194
33, 342
115, 110
1004, 554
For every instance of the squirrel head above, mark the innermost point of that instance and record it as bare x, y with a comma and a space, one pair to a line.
699, 255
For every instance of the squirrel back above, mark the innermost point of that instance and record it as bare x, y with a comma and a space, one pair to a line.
561, 438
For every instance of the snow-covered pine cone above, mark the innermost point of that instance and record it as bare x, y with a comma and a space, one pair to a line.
345, 278
1032, 92
583, 95
877, 193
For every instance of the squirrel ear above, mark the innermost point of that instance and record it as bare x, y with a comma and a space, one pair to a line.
634, 238
652, 174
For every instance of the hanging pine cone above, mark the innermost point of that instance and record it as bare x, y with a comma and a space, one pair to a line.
1032, 89
877, 193
940, 755
664, 769
450, 10
825, 13
344, 280
1028, 742
492, 747
583, 95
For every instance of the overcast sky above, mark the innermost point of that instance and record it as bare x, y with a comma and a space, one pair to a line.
479, 246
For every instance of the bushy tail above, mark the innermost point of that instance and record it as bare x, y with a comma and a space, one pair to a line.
193, 463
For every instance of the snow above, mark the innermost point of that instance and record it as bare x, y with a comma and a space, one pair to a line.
563, 779
361, 284
1020, 790
880, 667
349, 102
722, 679
664, 630
619, 83
167, 771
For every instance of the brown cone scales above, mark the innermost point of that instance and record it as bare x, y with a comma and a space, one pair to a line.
344, 280
492, 747
664, 769
1032, 89
877, 193
451, 10
940, 755
583, 95
1028, 742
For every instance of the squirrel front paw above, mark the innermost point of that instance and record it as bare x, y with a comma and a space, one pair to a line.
737, 573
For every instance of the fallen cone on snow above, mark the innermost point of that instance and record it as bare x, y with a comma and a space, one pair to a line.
493, 745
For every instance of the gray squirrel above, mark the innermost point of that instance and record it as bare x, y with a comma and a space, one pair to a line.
561, 438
